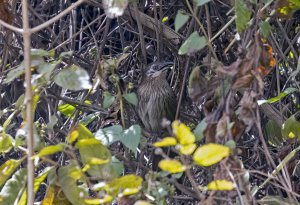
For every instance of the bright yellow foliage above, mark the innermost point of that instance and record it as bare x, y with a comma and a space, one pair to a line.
221, 185
183, 133
171, 165
167, 141
210, 154
187, 149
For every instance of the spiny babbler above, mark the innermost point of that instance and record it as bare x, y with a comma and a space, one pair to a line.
156, 98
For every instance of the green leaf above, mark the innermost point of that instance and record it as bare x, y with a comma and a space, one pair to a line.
50, 150
108, 100
201, 2
110, 134
91, 151
131, 98
279, 97
291, 127
132, 137
117, 166
68, 177
7, 169
199, 130
65, 54
180, 20
73, 78
273, 133
243, 15
66, 109
6, 142
129, 181
40, 52
20, 70
37, 183
265, 29
13, 188
192, 44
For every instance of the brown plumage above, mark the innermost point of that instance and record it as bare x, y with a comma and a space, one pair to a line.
157, 99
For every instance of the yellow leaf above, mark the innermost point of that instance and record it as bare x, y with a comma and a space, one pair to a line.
167, 141
210, 154
291, 135
221, 185
165, 19
73, 136
183, 133
105, 200
187, 149
129, 191
171, 165
130, 182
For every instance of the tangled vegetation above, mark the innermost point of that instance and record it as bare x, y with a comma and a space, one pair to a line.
69, 128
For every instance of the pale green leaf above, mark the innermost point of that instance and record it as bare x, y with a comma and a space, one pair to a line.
73, 78
192, 44
180, 20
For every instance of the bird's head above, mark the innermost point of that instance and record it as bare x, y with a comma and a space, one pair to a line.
157, 68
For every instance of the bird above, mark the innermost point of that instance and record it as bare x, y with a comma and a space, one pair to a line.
156, 98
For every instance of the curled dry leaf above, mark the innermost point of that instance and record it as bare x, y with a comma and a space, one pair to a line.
200, 88
247, 109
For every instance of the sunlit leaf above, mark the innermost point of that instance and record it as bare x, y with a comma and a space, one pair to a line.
68, 177
130, 182
80, 132
221, 185
91, 150
7, 168
106, 199
187, 149
13, 188
51, 149
165, 19
183, 133
73, 78
6, 142
66, 109
291, 127
49, 197
167, 141
180, 20
171, 165
279, 97
37, 183
192, 44
210, 154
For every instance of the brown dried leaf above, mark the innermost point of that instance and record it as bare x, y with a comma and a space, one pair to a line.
101, 74
5, 13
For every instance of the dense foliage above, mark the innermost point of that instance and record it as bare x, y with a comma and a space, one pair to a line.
236, 80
